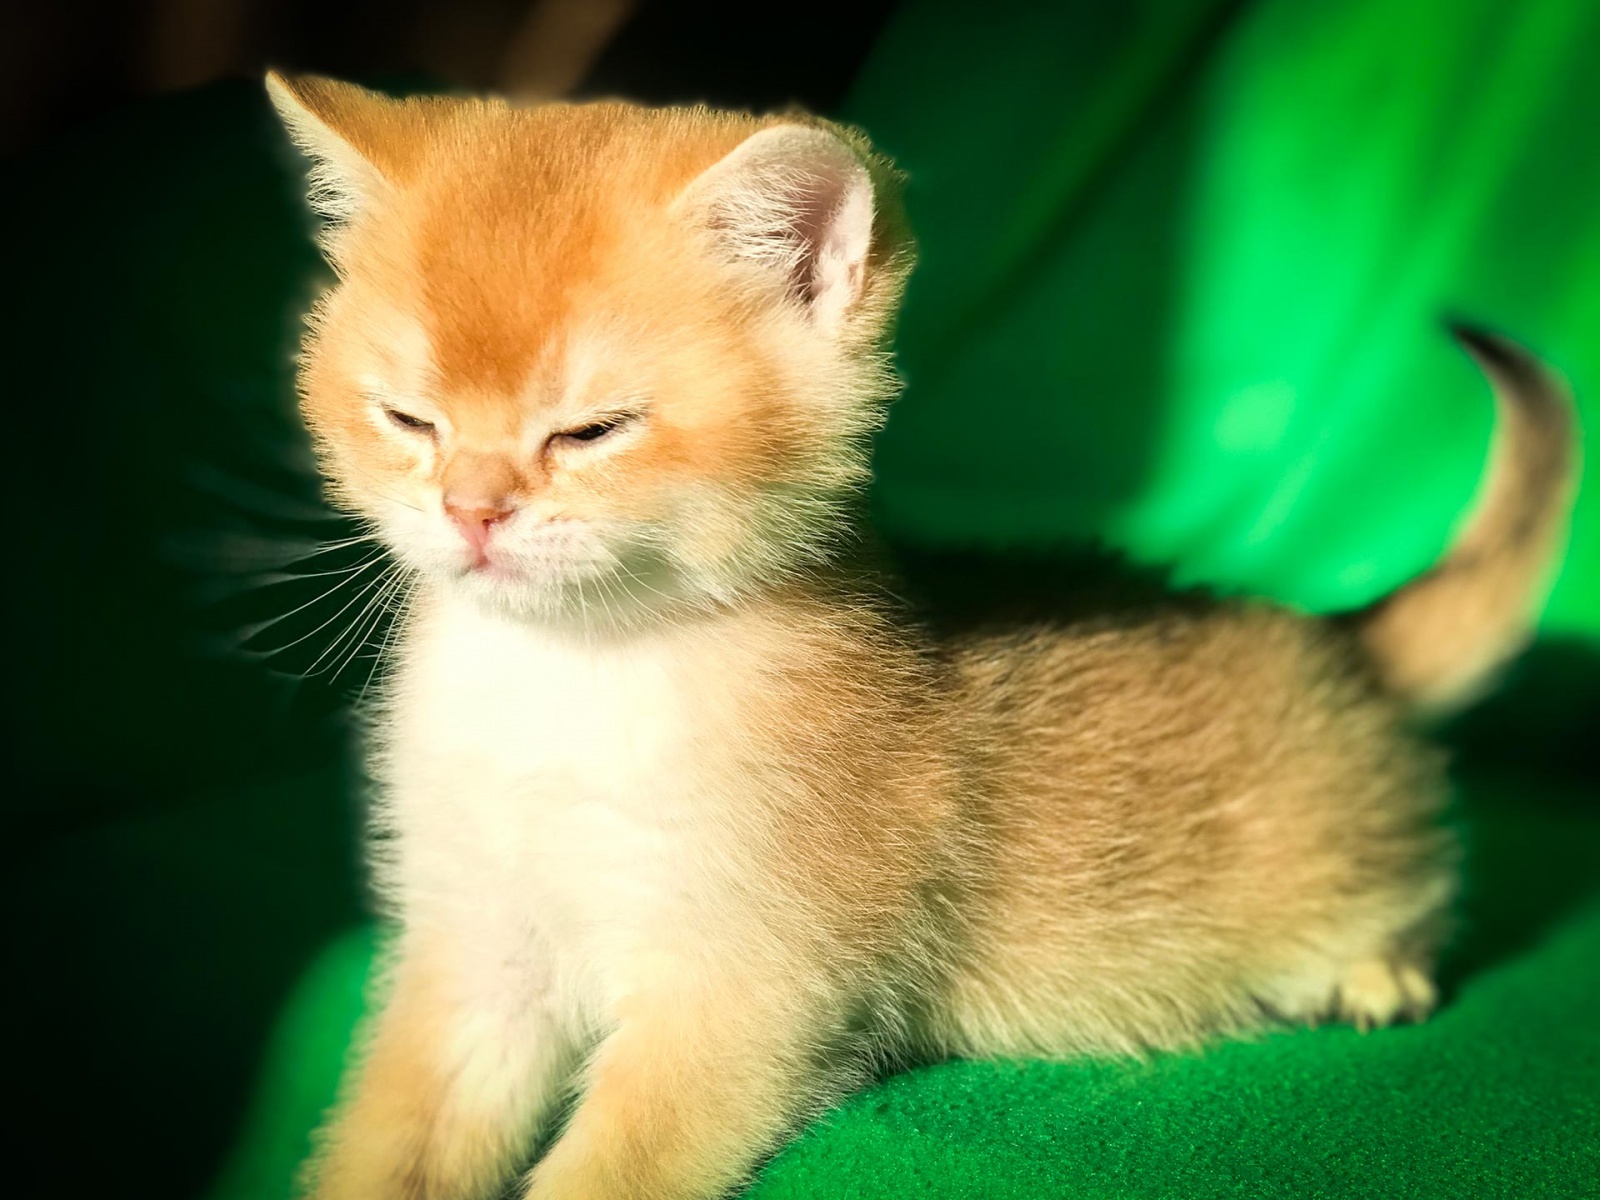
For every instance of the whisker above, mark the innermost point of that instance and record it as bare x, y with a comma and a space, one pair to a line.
291, 577
251, 631
395, 606
344, 543
364, 590
373, 593
236, 553
389, 637
378, 609
607, 591
635, 577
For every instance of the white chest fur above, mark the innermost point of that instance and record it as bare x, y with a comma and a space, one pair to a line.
558, 789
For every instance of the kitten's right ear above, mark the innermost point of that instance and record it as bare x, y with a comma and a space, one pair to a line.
797, 202
342, 129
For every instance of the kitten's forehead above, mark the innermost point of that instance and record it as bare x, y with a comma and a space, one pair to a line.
512, 226
494, 289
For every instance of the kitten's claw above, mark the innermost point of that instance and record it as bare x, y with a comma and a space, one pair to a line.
1378, 992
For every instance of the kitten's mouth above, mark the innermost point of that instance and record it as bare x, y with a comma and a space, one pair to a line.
540, 556
483, 566
480, 562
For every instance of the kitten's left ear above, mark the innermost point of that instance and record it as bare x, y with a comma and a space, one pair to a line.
796, 202
346, 131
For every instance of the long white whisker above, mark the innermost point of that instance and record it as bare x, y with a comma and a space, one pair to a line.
378, 610
633, 575
389, 637
291, 576
262, 626
397, 605
364, 590
373, 595
344, 543
607, 591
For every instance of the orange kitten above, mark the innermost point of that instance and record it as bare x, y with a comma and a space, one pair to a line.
671, 815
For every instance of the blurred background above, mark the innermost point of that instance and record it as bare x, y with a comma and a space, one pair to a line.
63, 63
1183, 269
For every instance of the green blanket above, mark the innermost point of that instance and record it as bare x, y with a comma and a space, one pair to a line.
1183, 264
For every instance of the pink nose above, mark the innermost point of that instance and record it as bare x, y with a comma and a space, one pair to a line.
475, 521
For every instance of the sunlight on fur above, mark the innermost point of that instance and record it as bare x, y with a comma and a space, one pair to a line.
678, 815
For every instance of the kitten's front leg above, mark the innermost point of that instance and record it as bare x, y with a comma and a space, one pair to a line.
451, 1091
689, 1094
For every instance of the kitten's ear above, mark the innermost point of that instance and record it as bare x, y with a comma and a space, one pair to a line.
341, 128
797, 202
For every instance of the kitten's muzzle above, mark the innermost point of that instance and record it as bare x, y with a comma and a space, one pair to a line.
476, 521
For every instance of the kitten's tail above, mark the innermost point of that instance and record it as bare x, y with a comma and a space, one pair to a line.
1439, 639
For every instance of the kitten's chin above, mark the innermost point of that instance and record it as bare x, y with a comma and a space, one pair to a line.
513, 587
583, 597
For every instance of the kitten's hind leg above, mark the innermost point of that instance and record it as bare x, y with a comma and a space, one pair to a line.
1380, 992
1368, 993
450, 1094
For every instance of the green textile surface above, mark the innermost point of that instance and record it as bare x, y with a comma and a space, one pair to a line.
1183, 265
1182, 269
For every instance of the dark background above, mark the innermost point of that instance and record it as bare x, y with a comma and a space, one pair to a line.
62, 63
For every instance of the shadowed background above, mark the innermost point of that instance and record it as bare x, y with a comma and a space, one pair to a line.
1182, 269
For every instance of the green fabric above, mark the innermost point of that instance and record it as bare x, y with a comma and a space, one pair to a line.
1182, 268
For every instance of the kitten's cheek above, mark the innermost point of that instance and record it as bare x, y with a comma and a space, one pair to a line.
432, 552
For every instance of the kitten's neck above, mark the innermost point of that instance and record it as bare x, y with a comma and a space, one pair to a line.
610, 622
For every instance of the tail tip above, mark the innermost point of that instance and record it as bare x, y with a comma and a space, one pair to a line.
1499, 357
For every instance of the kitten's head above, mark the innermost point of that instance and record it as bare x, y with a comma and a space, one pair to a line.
595, 358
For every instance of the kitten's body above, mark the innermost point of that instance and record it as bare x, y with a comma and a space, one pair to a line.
670, 813
1090, 841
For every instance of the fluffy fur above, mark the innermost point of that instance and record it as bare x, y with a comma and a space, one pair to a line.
675, 818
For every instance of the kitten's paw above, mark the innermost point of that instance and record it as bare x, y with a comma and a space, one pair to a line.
1378, 992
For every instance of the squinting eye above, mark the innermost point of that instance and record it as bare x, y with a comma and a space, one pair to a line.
407, 421
595, 430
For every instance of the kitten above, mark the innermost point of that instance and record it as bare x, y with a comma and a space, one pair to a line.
675, 818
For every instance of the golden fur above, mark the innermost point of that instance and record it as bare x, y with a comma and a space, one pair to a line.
674, 813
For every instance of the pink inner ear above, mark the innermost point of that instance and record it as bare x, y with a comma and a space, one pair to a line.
839, 264
810, 229
833, 224
800, 201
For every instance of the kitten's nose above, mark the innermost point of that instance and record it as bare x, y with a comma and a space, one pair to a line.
475, 519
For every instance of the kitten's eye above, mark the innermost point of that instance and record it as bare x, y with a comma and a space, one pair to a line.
595, 430
407, 421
